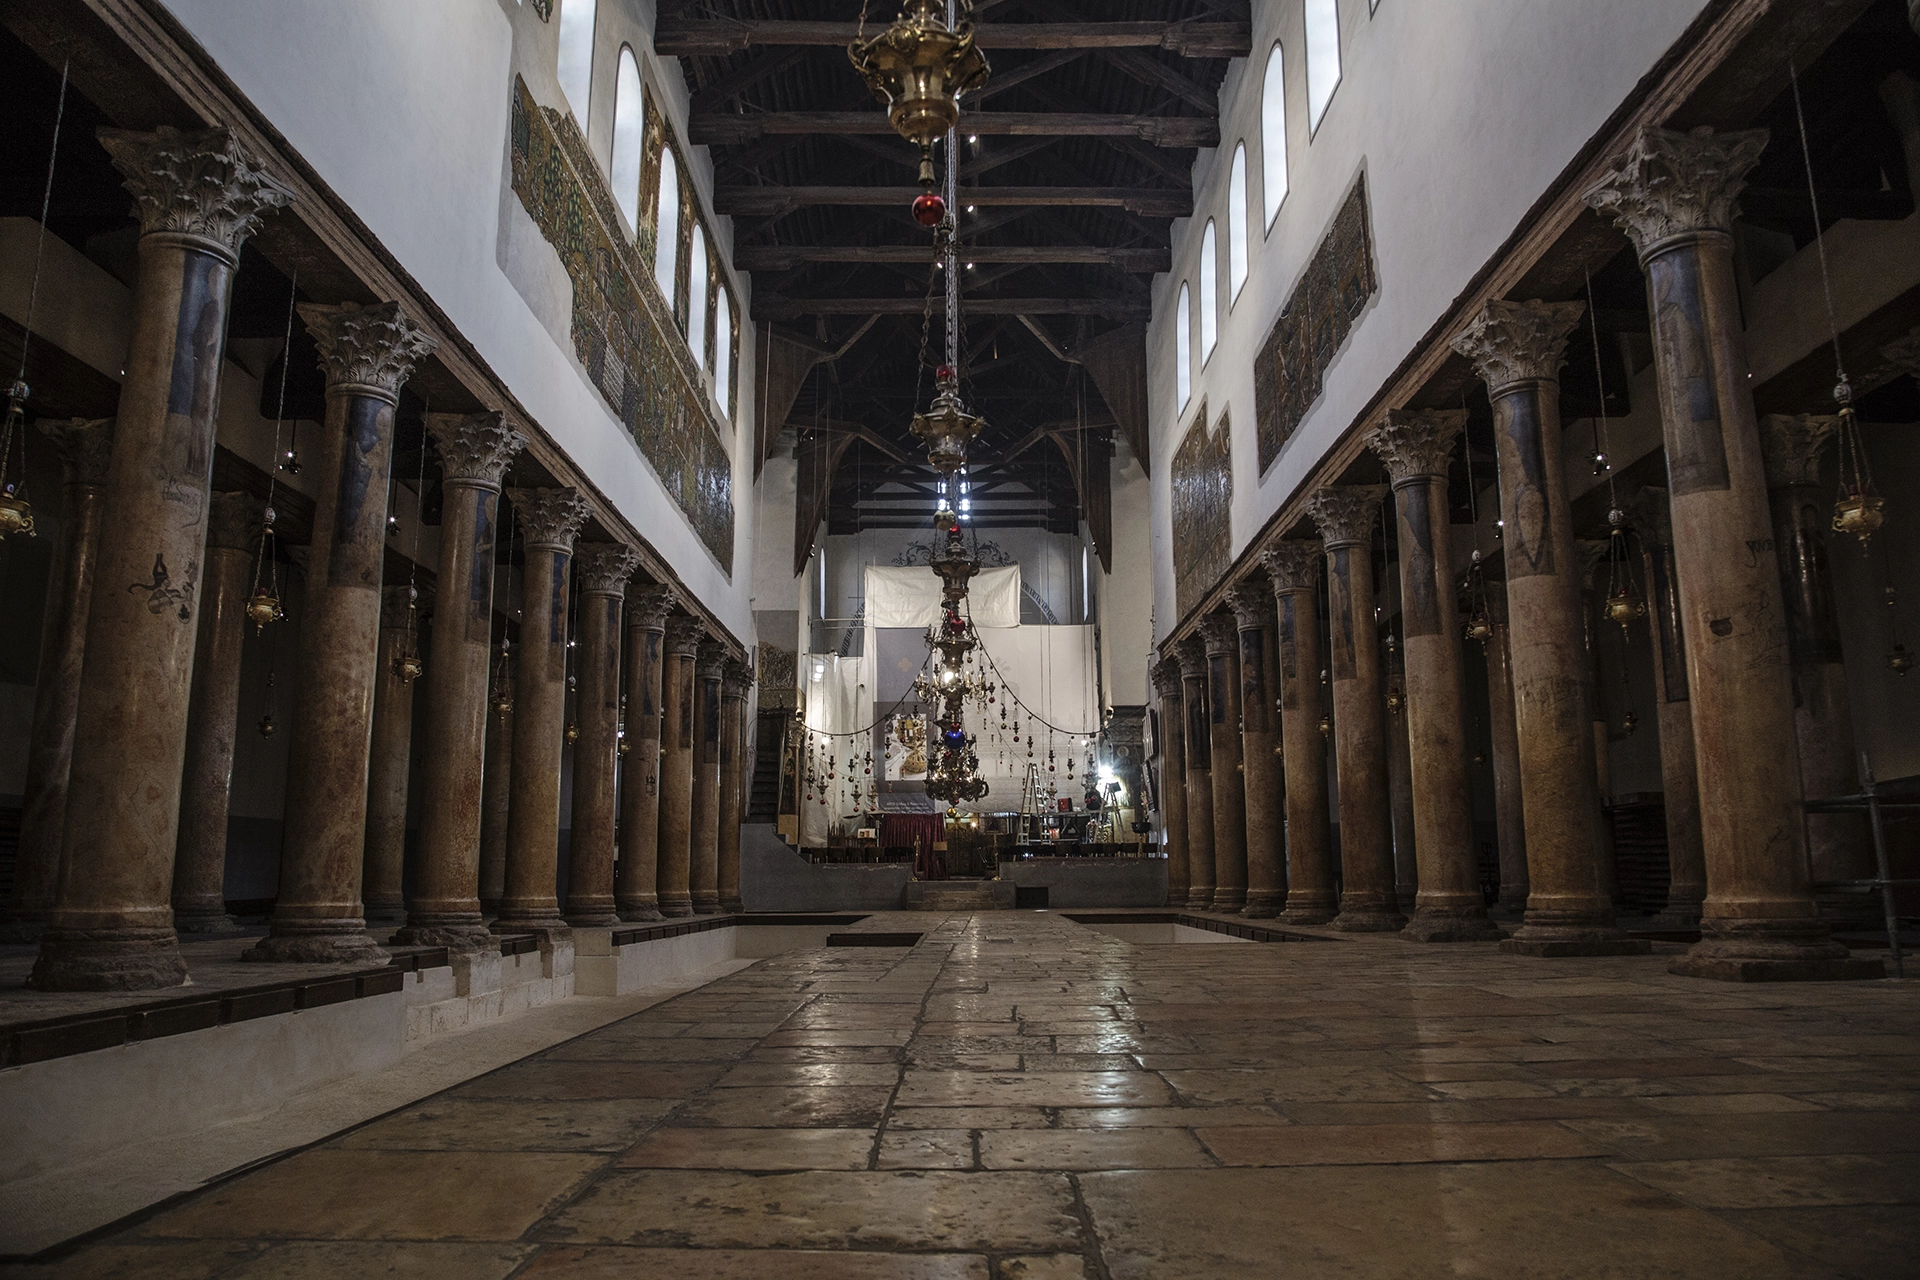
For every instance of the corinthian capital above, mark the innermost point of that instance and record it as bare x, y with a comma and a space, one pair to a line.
604, 567
371, 349
549, 518
1511, 342
684, 635
198, 182
710, 659
1192, 653
1222, 632
1793, 443
1293, 564
648, 606
1670, 183
234, 521
736, 677
1346, 512
1252, 605
1166, 679
1417, 442
85, 446
475, 448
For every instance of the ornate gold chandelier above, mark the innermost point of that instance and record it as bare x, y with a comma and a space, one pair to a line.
919, 67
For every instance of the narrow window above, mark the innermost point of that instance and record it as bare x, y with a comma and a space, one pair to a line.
697, 300
1209, 292
1273, 135
1237, 223
1183, 351
666, 226
576, 56
629, 131
723, 354
1323, 57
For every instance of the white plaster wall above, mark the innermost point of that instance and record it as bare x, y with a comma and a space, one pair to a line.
1461, 114
1123, 600
403, 111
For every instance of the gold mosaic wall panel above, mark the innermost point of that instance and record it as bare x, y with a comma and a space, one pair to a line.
1202, 481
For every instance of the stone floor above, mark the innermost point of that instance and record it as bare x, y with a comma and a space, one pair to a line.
1021, 1096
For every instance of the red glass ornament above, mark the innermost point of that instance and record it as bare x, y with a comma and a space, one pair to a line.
929, 210
944, 373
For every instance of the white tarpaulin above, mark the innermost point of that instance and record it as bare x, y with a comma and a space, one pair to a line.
911, 597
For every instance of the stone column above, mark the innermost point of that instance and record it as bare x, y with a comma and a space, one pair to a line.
636, 892
1406, 873
678, 715
1192, 653
198, 194
1346, 515
1449, 907
1508, 806
1518, 348
84, 446
1265, 794
550, 519
603, 571
1840, 845
388, 759
234, 524
1674, 194
1294, 567
1686, 865
1222, 635
366, 353
464, 790
736, 680
1171, 740
704, 858
1593, 618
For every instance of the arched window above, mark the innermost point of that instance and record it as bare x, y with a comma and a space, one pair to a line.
1323, 57
723, 353
1273, 135
666, 248
629, 133
1237, 223
1183, 351
576, 56
697, 299
1209, 292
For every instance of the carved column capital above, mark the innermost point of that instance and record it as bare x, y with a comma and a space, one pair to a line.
549, 518
710, 659
1672, 184
475, 448
1222, 633
1251, 603
1793, 443
1166, 678
736, 677
648, 606
1652, 516
396, 603
604, 567
1417, 443
1512, 342
1192, 654
85, 446
371, 349
234, 521
195, 182
1904, 355
1346, 512
1293, 564
684, 635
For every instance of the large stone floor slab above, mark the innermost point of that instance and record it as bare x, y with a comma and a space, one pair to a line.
1022, 1098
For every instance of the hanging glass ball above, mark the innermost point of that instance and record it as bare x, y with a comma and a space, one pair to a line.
929, 210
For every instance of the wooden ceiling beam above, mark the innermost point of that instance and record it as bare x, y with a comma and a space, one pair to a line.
785, 257
718, 37
728, 129
773, 306
1149, 202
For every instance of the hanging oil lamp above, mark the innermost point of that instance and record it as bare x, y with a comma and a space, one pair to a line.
406, 663
16, 513
1899, 657
266, 726
1624, 604
1479, 618
1395, 701
262, 607
1326, 726
573, 733
1629, 722
1859, 509
919, 67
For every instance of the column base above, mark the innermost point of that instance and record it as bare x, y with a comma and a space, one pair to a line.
202, 917
675, 905
1262, 904
635, 912
1309, 909
1367, 914
732, 906
541, 923
1452, 924
345, 946
1684, 916
1771, 951
1200, 897
1229, 899
108, 960
490, 906
382, 913
600, 919
458, 936
706, 902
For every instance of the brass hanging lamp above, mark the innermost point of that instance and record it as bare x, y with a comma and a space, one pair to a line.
1625, 603
919, 67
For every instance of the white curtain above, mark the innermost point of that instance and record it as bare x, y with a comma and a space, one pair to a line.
911, 597
838, 701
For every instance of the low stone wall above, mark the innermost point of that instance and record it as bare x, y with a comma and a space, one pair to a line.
1092, 882
775, 878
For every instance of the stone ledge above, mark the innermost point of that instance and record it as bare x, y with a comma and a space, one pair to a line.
1231, 928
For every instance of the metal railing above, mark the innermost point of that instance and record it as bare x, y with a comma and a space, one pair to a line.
1876, 809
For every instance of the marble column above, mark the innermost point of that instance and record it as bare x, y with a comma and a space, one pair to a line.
84, 446
1192, 653
1406, 872
234, 525
636, 893
1840, 845
366, 354
1593, 620
1294, 567
1170, 737
1416, 445
1674, 193
1680, 785
736, 680
1518, 348
1346, 515
679, 714
703, 868
389, 758
465, 788
1257, 670
198, 195
1503, 731
1222, 635
550, 519
603, 570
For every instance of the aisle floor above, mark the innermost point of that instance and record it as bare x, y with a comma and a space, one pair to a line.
1019, 1097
